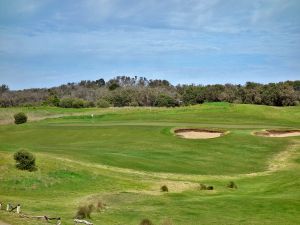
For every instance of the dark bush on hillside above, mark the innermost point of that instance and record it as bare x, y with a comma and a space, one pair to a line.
164, 188
20, 118
85, 211
210, 188
146, 222
113, 86
231, 184
25, 160
103, 103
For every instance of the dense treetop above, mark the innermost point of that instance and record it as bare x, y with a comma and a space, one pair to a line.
139, 91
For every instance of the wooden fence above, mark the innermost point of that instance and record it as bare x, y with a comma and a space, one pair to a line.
17, 209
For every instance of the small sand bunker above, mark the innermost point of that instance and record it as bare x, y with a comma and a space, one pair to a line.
279, 133
198, 133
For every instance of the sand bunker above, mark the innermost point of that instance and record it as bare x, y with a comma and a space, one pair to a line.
198, 133
279, 133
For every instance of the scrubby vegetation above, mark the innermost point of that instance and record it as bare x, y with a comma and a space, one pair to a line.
231, 184
103, 103
164, 188
20, 118
85, 211
203, 187
206, 187
25, 160
134, 91
146, 222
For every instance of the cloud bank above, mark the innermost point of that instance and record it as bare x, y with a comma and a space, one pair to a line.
45, 43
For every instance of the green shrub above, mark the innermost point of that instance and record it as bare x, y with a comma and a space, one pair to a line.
20, 118
75, 103
78, 103
102, 103
88, 104
146, 222
165, 100
231, 184
66, 102
164, 188
52, 100
25, 160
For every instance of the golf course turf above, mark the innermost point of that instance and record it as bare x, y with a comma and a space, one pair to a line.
122, 156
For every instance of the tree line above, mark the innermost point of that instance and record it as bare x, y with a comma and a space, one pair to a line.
139, 91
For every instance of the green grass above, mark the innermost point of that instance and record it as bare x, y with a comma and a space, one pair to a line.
121, 156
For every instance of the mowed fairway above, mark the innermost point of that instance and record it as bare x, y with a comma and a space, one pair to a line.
122, 157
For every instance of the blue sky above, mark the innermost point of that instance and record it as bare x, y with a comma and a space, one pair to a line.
44, 43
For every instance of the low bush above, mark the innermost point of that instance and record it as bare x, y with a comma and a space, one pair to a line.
165, 101
78, 103
25, 160
20, 118
164, 188
75, 103
205, 187
66, 102
231, 184
103, 103
85, 211
88, 104
146, 222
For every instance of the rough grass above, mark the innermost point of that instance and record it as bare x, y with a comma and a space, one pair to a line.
82, 159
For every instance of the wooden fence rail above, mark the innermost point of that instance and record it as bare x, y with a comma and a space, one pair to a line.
17, 209
47, 218
82, 221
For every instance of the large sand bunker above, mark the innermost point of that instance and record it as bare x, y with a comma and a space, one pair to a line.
279, 133
198, 133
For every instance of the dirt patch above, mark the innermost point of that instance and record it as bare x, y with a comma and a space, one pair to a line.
198, 133
3, 223
279, 133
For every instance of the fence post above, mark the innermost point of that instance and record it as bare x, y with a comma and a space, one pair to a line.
58, 222
8, 207
18, 208
0, 205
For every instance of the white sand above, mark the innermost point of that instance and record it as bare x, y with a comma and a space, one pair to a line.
288, 134
198, 134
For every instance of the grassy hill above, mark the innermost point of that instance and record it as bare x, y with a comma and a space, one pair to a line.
122, 156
